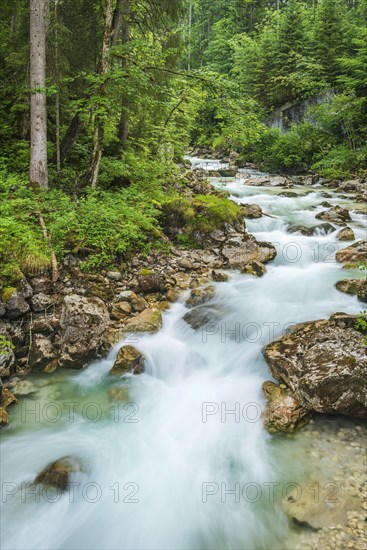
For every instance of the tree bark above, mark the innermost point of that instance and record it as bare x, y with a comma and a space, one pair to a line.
98, 139
38, 173
123, 129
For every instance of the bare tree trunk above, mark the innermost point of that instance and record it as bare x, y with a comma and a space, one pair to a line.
38, 173
123, 130
95, 162
57, 99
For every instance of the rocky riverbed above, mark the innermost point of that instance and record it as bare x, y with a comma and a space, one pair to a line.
201, 318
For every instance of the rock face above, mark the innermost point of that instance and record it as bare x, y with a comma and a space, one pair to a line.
58, 474
83, 322
324, 364
336, 214
346, 234
251, 211
43, 355
129, 360
243, 250
357, 252
16, 306
42, 302
355, 287
283, 412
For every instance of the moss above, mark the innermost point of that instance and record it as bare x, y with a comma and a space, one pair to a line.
8, 293
145, 272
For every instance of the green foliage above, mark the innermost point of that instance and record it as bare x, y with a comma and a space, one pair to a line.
191, 218
361, 324
22, 248
5, 345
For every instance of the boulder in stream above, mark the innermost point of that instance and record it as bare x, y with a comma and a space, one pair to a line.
346, 234
283, 412
324, 364
199, 296
251, 211
242, 250
129, 360
58, 474
355, 287
357, 252
336, 214
254, 268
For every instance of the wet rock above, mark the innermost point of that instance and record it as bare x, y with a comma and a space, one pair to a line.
355, 287
4, 417
16, 306
258, 182
219, 276
2, 309
357, 252
121, 310
129, 360
336, 214
346, 234
200, 316
228, 173
319, 513
42, 302
42, 355
22, 388
243, 250
324, 364
7, 398
200, 296
149, 320
83, 322
151, 283
283, 412
171, 295
138, 304
7, 356
58, 474
288, 194
251, 211
254, 268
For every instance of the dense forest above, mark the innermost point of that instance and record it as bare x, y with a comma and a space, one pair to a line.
100, 107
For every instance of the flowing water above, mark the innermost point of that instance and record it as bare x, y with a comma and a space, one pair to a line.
167, 464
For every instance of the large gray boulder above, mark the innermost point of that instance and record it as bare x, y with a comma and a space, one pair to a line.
83, 323
241, 250
324, 363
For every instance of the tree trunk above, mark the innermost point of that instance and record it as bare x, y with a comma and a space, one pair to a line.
98, 139
57, 99
123, 130
38, 174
